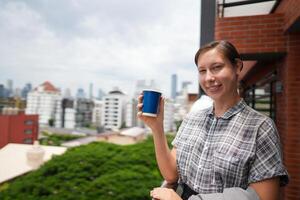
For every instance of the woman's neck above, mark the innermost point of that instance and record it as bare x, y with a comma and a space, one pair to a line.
221, 106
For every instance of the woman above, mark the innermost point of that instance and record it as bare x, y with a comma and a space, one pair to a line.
225, 146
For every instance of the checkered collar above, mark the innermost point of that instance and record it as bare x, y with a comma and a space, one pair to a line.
231, 111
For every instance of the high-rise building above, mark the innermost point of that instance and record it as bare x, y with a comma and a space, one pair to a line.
68, 113
97, 113
144, 84
83, 114
131, 112
101, 94
10, 88
174, 86
2, 91
26, 89
169, 121
67, 93
114, 109
43, 101
91, 91
80, 94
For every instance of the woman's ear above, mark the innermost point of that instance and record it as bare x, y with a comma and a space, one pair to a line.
239, 65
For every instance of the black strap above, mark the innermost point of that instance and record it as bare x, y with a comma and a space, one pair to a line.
187, 192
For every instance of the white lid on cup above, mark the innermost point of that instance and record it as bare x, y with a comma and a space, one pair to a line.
152, 90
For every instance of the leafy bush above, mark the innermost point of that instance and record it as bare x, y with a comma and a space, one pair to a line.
56, 139
94, 171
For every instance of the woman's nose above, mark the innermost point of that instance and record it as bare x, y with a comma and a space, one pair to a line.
209, 76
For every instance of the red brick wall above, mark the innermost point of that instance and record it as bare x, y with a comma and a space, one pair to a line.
12, 128
288, 113
18, 127
4, 127
253, 34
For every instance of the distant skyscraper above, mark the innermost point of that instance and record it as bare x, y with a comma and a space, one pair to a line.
17, 93
173, 86
67, 93
143, 84
184, 87
10, 87
91, 91
101, 94
2, 91
80, 94
26, 89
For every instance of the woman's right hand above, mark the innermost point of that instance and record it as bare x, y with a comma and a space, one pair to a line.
155, 123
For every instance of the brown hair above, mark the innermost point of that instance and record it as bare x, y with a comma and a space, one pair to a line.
224, 47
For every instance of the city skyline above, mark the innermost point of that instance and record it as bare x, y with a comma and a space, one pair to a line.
107, 44
97, 93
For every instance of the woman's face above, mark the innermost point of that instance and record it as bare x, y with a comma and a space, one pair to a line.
217, 76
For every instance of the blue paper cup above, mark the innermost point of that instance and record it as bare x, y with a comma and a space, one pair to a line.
150, 102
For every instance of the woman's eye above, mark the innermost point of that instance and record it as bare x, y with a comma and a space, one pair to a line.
217, 68
202, 71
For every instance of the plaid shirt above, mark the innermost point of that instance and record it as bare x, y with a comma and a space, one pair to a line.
234, 150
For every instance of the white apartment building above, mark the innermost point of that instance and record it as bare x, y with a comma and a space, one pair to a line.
97, 113
131, 113
169, 121
43, 101
113, 114
58, 115
70, 118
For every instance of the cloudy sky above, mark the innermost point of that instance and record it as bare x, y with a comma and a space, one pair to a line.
109, 43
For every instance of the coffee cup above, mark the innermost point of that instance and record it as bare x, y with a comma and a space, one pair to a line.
151, 101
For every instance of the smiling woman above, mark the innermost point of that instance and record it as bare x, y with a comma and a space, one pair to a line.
227, 151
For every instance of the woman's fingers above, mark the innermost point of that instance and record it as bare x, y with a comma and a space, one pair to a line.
140, 98
140, 105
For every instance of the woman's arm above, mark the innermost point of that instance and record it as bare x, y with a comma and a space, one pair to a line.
267, 189
165, 157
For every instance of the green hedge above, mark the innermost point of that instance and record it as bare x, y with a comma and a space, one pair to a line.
94, 171
56, 139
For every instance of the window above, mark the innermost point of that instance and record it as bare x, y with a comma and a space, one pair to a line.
28, 122
261, 96
27, 141
28, 131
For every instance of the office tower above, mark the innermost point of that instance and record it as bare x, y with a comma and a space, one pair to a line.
97, 113
143, 84
84, 110
101, 94
91, 91
131, 112
184, 87
17, 93
43, 101
26, 89
80, 94
2, 91
67, 93
9, 87
173, 86
169, 121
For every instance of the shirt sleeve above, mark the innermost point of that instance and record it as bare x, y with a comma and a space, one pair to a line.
267, 161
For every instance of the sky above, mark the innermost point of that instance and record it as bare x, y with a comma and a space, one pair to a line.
109, 43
